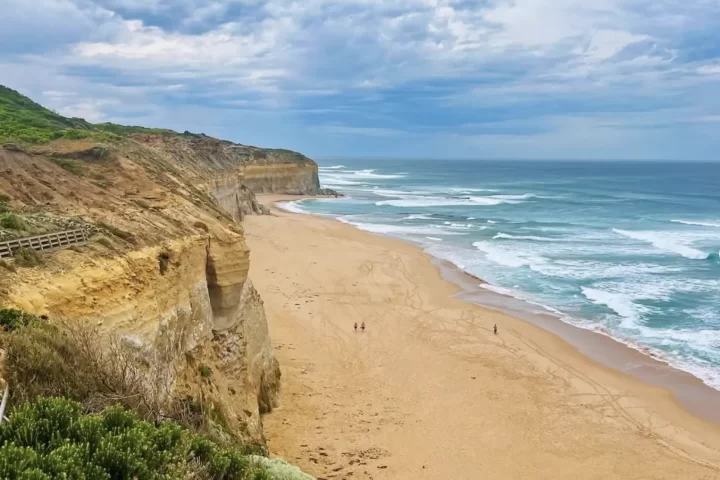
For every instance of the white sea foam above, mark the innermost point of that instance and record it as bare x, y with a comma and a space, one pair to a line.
388, 229
334, 180
491, 221
665, 241
435, 239
384, 192
293, 207
498, 289
418, 217
697, 223
510, 257
419, 202
471, 218
370, 173
507, 236
524, 196
333, 167
467, 191
620, 303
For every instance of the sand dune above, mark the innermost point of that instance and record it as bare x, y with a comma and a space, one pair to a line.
428, 392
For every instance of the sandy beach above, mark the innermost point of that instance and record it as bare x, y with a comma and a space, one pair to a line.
428, 391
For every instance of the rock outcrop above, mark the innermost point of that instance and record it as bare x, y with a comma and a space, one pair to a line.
261, 170
167, 267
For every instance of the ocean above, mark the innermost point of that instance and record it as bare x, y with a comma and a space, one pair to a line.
628, 249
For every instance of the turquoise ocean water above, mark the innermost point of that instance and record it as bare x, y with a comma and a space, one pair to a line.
629, 249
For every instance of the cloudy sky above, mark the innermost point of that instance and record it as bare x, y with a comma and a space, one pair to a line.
396, 78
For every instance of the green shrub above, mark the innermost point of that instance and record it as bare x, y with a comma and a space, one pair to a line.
27, 257
70, 166
12, 319
4, 207
11, 221
205, 371
75, 134
55, 438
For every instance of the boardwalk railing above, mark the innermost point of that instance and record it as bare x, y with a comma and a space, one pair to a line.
49, 241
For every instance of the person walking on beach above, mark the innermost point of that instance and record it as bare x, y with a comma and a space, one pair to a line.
362, 327
356, 326
495, 329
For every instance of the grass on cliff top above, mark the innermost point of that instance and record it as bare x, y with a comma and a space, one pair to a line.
124, 130
24, 121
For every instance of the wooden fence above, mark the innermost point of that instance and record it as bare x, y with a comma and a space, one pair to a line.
49, 241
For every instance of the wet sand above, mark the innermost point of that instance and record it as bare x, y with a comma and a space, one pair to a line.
428, 391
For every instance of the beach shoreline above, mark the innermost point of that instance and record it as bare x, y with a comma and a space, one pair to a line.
639, 382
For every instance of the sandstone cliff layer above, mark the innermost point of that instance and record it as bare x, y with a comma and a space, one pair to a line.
167, 266
261, 170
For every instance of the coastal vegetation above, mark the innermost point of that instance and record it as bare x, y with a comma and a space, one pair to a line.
26, 122
83, 409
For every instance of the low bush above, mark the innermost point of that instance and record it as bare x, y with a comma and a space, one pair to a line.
55, 438
12, 319
70, 166
4, 201
205, 371
11, 221
27, 257
73, 362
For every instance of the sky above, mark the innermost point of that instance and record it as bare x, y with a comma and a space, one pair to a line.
559, 79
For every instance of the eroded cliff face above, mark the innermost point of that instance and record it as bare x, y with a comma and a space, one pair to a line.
287, 173
167, 267
261, 170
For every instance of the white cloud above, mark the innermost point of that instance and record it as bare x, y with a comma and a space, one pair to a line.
389, 61
709, 70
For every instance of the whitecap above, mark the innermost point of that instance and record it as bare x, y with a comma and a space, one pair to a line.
620, 303
664, 241
524, 196
293, 207
698, 223
507, 236
510, 258
418, 202
370, 173
388, 229
333, 167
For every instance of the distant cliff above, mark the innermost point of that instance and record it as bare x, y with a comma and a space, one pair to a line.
262, 170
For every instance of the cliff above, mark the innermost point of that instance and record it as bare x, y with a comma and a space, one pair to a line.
166, 267
261, 170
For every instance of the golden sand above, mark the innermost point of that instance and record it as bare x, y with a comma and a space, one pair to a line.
428, 391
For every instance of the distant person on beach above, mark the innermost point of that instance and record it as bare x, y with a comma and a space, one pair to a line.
356, 326
362, 327
495, 329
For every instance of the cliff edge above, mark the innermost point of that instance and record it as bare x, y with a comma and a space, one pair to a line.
165, 268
